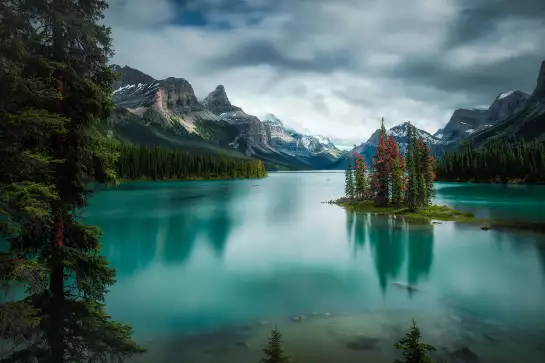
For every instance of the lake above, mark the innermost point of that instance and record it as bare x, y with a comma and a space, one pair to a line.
206, 268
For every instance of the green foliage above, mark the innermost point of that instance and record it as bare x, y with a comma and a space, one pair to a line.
412, 348
274, 352
397, 182
55, 85
412, 196
349, 187
157, 163
501, 160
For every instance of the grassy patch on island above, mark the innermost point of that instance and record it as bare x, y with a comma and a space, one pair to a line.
437, 212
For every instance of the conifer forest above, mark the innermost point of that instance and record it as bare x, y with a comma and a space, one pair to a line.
157, 163
502, 160
394, 178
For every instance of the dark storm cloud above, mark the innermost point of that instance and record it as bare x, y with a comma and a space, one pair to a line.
264, 53
480, 84
478, 18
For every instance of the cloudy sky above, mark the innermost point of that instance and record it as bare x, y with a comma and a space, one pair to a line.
336, 67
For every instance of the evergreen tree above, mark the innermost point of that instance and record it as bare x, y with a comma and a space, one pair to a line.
412, 177
360, 177
349, 188
380, 178
57, 85
423, 168
397, 182
414, 351
499, 160
158, 163
274, 352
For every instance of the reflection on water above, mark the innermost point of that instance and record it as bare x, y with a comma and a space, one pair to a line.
200, 256
393, 242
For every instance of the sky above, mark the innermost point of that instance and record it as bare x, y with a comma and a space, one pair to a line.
335, 68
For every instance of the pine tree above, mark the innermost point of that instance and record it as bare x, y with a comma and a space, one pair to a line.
349, 188
397, 182
274, 352
381, 169
60, 85
412, 176
414, 351
361, 186
423, 165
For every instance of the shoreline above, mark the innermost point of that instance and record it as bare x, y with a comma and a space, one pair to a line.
507, 182
439, 213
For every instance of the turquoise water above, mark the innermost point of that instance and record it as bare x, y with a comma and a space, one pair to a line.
206, 267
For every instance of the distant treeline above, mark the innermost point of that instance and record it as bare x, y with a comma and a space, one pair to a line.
159, 163
503, 160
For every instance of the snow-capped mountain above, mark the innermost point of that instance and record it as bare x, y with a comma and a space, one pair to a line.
296, 143
167, 112
399, 132
464, 122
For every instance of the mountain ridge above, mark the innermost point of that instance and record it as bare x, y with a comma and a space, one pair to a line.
173, 115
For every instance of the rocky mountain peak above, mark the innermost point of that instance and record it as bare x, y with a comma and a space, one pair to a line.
218, 102
129, 76
505, 105
539, 92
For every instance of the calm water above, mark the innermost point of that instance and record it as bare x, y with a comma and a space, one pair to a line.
205, 268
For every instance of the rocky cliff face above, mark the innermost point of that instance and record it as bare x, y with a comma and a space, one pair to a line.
526, 122
170, 103
463, 122
169, 109
505, 105
218, 102
539, 91
250, 127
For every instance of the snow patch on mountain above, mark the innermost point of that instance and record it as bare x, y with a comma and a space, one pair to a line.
507, 94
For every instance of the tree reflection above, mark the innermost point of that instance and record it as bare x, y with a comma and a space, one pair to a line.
390, 239
420, 240
387, 247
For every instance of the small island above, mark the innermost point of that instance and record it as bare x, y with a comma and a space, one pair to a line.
401, 184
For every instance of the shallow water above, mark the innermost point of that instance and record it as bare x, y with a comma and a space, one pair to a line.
206, 267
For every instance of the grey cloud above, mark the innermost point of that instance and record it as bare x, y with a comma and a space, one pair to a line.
479, 17
264, 53
480, 85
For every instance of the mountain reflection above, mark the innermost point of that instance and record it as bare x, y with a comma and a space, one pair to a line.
392, 242
165, 226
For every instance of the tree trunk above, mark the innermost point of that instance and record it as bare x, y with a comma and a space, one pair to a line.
56, 287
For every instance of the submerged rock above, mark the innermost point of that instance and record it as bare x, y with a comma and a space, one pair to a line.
465, 355
405, 286
485, 228
297, 318
362, 343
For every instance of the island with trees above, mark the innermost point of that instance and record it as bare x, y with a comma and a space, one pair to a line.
402, 184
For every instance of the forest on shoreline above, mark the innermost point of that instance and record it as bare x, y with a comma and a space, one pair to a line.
500, 161
136, 162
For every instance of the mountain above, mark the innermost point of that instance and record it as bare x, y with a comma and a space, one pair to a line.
218, 102
296, 143
527, 122
399, 132
464, 122
167, 113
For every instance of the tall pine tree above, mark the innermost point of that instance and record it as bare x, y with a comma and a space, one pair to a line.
412, 176
349, 187
380, 177
360, 177
61, 84
397, 182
